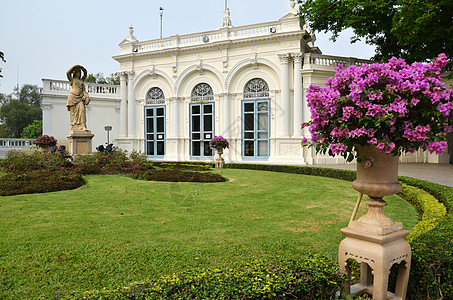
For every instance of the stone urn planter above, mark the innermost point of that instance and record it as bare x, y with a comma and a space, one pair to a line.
377, 181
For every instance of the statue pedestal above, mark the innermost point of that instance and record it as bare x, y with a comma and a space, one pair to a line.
80, 141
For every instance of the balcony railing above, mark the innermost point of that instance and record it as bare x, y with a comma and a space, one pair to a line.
13, 144
95, 89
321, 61
218, 35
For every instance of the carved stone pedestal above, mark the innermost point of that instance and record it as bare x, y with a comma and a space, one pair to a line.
374, 240
376, 255
80, 142
219, 162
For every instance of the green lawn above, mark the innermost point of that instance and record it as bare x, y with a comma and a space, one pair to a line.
116, 230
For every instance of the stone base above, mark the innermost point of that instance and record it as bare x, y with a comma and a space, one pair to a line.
80, 142
376, 254
219, 163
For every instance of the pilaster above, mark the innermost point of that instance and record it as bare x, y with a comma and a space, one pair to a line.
131, 105
284, 118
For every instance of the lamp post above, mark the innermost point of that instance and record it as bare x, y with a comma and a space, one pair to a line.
108, 128
161, 12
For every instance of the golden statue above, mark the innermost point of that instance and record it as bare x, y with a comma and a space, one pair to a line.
78, 98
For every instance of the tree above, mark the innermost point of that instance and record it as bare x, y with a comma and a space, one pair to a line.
29, 94
113, 79
17, 113
33, 130
417, 30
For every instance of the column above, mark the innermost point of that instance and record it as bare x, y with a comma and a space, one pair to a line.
306, 82
225, 116
283, 114
122, 132
298, 114
131, 106
174, 117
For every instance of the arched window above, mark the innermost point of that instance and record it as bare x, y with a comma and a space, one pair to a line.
256, 88
155, 96
202, 92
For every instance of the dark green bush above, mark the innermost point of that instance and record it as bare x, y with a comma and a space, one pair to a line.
117, 162
432, 253
179, 166
314, 171
17, 161
41, 181
175, 175
311, 277
433, 211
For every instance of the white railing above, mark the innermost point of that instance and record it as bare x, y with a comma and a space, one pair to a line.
96, 89
316, 61
13, 144
221, 34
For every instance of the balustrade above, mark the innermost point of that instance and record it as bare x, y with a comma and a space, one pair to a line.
210, 36
91, 88
315, 61
15, 143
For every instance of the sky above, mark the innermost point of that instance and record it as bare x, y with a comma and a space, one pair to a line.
43, 39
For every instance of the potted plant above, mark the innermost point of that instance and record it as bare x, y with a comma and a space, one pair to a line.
373, 113
219, 143
45, 142
393, 106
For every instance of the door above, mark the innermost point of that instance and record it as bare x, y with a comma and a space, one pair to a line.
201, 130
155, 131
255, 129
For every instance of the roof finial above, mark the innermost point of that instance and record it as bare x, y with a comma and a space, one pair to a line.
131, 30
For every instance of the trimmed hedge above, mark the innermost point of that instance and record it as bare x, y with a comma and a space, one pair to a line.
432, 252
177, 175
311, 277
42, 181
433, 211
347, 175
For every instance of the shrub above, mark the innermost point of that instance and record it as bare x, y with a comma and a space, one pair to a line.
41, 181
433, 211
45, 141
17, 161
117, 162
432, 253
173, 175
178, 166
311, 277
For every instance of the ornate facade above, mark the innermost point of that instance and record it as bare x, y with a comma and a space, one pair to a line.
245, 83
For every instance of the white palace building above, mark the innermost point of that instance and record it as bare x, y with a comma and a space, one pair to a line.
246, 83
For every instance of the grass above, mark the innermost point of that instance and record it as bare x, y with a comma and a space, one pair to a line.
116, 230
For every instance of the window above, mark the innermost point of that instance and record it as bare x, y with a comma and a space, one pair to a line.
202, 92
255, 120
155, 131
256, 88
155, 96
